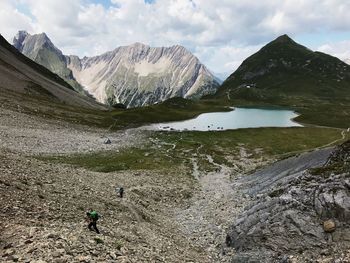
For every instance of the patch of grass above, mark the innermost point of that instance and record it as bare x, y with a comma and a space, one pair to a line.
273, 141
276, 193
119, 244
98, 240
158, 155
334, 168
115, 119
128, 159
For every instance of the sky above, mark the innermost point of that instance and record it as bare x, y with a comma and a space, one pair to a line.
220, 33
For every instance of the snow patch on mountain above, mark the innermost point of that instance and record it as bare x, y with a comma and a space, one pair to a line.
139, 75
145, 68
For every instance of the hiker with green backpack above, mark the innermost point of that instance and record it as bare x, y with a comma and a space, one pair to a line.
93, 217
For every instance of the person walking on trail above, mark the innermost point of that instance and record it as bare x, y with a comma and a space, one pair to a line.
93, 217
120, 191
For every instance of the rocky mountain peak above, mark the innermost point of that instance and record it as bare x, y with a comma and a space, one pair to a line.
284, 70
138, 45
181, 50
39, 48
284, 39
30, 44
19, 38
139, 75
42, 36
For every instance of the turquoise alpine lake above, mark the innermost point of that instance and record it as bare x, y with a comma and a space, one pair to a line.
238, 118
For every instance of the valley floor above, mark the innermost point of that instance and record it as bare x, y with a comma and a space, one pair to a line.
44, 204
177, 209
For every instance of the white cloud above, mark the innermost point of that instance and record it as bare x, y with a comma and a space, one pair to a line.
11, 19
225, 59
339, 49
220, 33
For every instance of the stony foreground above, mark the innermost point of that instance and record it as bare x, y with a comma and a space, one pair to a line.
44, 204
43, 215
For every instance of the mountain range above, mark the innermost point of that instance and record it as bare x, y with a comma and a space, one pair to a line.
283, 73
135, 75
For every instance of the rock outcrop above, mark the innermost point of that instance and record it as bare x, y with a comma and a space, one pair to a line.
299, 210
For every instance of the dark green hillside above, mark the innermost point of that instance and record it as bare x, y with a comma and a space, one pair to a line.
284, 73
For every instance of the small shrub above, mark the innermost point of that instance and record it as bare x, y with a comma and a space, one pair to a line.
98, 240
119, 244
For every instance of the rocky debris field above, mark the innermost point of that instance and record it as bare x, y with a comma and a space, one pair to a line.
44, 206
33, 135
206, 218
301, 211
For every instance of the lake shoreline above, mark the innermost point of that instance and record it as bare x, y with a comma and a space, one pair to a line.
237, 118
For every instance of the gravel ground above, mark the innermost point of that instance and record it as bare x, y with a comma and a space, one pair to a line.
33, 135
209, 213
44, 204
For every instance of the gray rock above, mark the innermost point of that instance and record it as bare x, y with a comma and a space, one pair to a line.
107, 141
58, 253
293, 203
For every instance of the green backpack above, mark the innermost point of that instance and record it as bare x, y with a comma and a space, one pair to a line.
94, 215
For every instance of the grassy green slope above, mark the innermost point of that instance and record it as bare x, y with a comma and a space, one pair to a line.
167, 150
171, 110
284, 73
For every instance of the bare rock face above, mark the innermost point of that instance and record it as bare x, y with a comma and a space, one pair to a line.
299, 210
139, 75
135, 75
40, 49
23, 78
